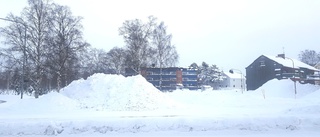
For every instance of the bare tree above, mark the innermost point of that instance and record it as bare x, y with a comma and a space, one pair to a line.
48, 38
64, 41
92, 61
165, 53
13, 53
36, 15
309, 57
116, 57
137, 36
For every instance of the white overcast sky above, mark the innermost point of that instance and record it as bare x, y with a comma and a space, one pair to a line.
228, 33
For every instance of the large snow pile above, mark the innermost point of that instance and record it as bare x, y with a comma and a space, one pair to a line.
306, 99
286, 89
117, 93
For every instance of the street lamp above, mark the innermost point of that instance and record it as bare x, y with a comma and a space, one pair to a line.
24, 51
232, 71
294, 80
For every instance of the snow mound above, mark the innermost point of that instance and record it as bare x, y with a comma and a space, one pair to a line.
51, 102
55, 101
285, 89
310, 109
310, 104
117, 93
314, 96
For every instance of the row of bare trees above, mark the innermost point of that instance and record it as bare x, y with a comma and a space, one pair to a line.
146, 44
44, 49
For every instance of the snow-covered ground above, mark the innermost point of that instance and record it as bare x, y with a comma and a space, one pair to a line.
113, 105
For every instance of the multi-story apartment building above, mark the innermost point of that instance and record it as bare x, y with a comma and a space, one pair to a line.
168, 79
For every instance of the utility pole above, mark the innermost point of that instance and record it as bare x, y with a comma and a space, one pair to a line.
294, 80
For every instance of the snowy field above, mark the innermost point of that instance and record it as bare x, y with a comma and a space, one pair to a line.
112, 105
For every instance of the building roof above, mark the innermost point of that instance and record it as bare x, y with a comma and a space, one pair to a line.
289, 62
234, 75
317, 66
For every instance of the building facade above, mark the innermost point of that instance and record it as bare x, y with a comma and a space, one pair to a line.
233, 81
168, 79
317, 66
265, 68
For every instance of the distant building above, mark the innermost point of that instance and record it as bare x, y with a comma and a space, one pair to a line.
317, 66
233, 81
265, 68
167, 79
317, 75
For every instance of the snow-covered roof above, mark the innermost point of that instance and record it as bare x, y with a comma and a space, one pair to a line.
234, 75
317, 66
288, 62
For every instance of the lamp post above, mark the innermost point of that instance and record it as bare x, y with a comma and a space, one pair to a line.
24, 52
232, 71
294, 80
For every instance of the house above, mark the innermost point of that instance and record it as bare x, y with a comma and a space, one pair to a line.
168, 79
317, 74
317, 66
233, 81
265, 68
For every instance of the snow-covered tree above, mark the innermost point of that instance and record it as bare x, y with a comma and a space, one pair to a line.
194, 66
208, 75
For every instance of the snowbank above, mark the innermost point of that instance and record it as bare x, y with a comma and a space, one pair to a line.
52, 102
131, 104
309, 105
157, 124
285, 89
117, 93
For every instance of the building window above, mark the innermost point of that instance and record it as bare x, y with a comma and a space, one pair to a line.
262, 63
165, 79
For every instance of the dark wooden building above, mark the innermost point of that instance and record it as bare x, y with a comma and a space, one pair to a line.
265, 68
